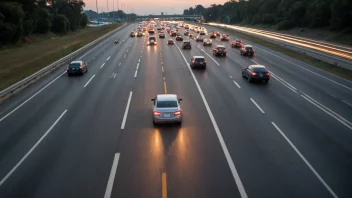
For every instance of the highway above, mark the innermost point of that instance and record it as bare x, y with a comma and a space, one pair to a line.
93, 136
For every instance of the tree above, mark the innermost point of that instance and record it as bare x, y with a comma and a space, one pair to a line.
61, 24
44, 21
83, 21
12, 17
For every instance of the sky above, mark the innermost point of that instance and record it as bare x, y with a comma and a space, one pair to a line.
142, 7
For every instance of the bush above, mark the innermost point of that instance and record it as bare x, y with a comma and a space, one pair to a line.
60, 24
7, 32
268, 19
44, 21
256, 19
28, 27
83, 21
285, 25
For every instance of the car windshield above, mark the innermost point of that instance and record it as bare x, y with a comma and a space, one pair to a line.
166, 104
74, 65
186, 43
221, 48
259, 69
199, 59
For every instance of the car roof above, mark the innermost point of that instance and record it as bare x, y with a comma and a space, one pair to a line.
198, 57
247, 46
258, 66
76, 62
166, 97
220, 46
186, 41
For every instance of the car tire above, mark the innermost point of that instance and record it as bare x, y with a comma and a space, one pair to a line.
249, 79
243, 75
224, 54
69, 75
154, 123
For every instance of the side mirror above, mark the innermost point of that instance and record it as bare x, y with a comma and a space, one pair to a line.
153, 99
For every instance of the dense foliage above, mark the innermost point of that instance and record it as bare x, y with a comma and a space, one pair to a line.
283, 14
19, 18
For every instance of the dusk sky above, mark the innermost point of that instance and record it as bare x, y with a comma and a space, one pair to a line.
142, 7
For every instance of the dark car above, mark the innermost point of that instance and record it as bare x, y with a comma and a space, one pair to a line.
161, 35
173, 33
151, 31
198, 61
186, 45
199, 39
237, 43
190, 35
247, 50
217, 33
224, 37
179, 38
77, 67
219, 50
212, 35
202, 32
133, 34
116, 41
170, 42
186, 33
256, 73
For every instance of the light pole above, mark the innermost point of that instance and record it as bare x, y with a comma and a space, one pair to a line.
96, 1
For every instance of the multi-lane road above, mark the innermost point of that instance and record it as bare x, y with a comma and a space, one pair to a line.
92, 135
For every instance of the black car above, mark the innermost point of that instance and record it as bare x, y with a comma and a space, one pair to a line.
219, 50
199, 39
202, 32
247, 50
186, 45
170, 42
77, 67
256, 73
198, 61
186, 33
161, 35
133, 34
139, 34
224, 37
179, 38
173, 33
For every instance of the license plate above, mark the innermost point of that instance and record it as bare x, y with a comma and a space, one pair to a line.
166, 115
201, 63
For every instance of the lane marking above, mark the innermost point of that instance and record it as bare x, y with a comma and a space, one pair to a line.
165, 90
102, 65
127, 50
260, 109
89, 80
124, 56
230, 76
163, 186
218, 133
135, 73
108, 58
161, 62
284, 81
30, 98
162, 68
126, 111
254, 61
210, 57
114, 75
137, 66
347, 103
305, 161
328, 111
139, 60
119, 64
112, 176
32, 149
237, 84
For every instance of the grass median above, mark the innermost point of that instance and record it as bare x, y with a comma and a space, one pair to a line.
339, 71
16, 63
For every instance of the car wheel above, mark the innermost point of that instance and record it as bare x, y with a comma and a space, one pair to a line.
154, 123
241, 53
249, 79
224, 54
243, 75
69, 75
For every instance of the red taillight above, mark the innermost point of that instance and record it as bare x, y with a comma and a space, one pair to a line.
253, 73
177, 113
205, 62
67, 69
156, 113
267, 73
244, 50
225, 50
217, 50
81, 67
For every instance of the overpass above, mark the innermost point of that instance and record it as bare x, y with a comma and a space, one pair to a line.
167, 17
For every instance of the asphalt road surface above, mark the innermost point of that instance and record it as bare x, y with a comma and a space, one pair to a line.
92, 135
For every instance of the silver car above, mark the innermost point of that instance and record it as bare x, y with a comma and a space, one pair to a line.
167, 109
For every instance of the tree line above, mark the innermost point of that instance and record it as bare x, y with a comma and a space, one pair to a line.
282, 14
20, 18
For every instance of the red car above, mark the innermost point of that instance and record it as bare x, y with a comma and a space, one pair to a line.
247, 50
212, 35
237, 43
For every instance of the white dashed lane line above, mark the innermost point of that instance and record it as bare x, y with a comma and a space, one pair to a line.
108, 58
237, 84
102, 65
260, 109
89, 80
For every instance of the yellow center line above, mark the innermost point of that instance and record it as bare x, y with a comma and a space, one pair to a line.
163, 186
165, 90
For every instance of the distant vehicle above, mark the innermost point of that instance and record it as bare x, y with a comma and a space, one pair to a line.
151, 31
198, 61
139, 34
199, 38
217, 33
116, 41
190, 35
256, 73
179, 38
202, 32
166, 109
237, 43
161, 35
219, 50
77, 67
170, 42
133, 34
186, 45
158, 28
224, 37
186, 33
173, 33
144, 29
247, 50
207, 42
186, 27
152, 40
212, 35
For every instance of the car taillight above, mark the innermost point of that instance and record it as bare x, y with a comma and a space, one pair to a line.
179, 112
67, 69
156, 113
267, 73
205, 62
225, 50
253, 73
81, 67
217, 50
245, 50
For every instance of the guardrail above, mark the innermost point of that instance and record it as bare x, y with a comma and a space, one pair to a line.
337, 61
15, 88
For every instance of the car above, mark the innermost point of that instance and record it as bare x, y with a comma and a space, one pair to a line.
167, 109
186, 27
173, 33
198, 61
256, 73
219, 50
247, 50
217, 33
224, 37
158, 28
190, 35
170, 42
161, 35
179, 38
186, 45
144, 29
139, 34
116, 41
212, 35
207, 41
77, 67
199, 38
152, 40
236, 43
186, 33
151, 31
202, 32
133, 34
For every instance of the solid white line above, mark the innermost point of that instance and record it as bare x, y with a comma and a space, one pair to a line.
257, 105
114, 75
284, 84
309, 70
237, 84
283, 80
218, 133
210, 57
254, 62
137, 66
112, 176
230, 76
32, 149
124, 56
108, 58
89, 80
135, 73
347, 103
23, 103
126, 111
306, 161
102, 65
